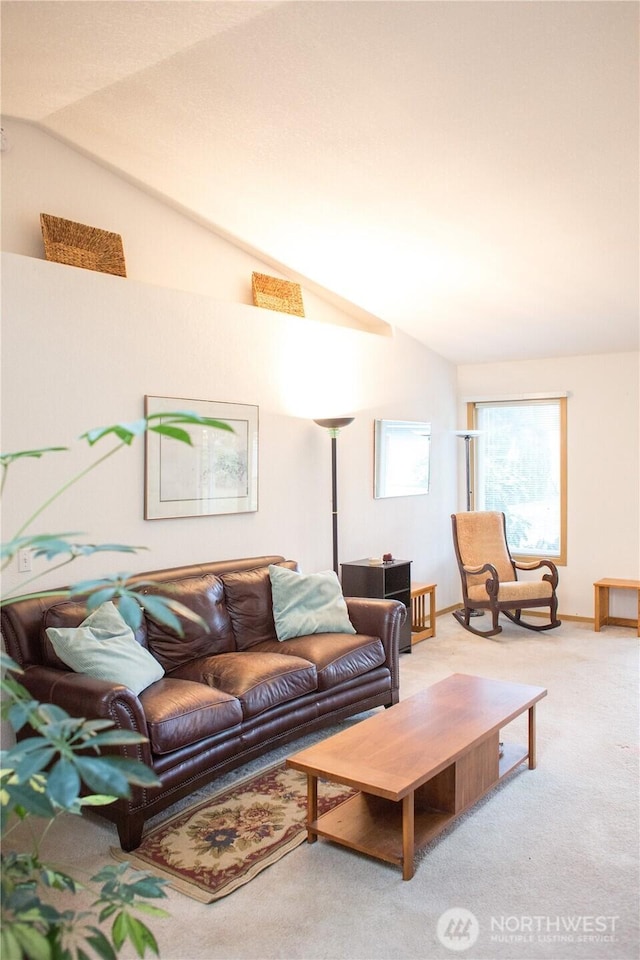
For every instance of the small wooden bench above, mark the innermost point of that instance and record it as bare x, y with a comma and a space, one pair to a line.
602, 588
423, 621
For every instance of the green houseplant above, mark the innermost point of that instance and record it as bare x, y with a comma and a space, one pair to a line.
60, 766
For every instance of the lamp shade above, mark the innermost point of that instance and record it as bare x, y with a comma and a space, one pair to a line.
335, 423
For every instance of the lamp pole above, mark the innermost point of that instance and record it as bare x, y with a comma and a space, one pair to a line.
467, 436
334, 425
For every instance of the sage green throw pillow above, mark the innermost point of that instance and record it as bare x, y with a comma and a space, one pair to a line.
104, 647
307, 603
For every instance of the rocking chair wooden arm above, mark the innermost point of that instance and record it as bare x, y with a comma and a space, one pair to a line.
552, 577
492, 583
485, 568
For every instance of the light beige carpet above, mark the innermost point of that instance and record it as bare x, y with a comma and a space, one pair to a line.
549, 850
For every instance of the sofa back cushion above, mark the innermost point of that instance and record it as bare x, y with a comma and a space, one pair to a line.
307, 604
204, 596
250, 605
69, 614
104, 647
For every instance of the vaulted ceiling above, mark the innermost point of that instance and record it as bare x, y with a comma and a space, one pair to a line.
465, 171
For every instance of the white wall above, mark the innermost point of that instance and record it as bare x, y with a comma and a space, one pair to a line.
603, 455
162, 246
81, 349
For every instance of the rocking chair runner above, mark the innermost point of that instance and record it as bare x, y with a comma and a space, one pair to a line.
489, 578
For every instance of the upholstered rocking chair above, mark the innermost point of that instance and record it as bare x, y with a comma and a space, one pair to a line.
489, 578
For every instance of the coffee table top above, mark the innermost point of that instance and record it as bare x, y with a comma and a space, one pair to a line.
394, 752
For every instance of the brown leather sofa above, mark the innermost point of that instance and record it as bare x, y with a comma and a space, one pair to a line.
228, 695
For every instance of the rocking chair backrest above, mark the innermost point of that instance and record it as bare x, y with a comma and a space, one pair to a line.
481, 538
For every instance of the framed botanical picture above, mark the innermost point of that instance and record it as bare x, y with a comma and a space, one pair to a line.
402, 455
217, 473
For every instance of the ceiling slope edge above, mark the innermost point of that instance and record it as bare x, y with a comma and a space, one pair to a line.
359, 318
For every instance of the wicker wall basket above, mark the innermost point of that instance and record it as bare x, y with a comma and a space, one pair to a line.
80, 246
275, 294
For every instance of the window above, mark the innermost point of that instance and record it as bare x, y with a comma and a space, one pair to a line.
520, 469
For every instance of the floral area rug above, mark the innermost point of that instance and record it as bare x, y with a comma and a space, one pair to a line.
212, 848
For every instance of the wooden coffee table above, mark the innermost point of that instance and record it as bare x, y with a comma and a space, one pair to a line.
418, 765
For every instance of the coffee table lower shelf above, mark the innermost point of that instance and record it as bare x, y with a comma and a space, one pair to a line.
394, 830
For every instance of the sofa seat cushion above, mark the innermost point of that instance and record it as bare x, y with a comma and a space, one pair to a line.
259, 680
338, 657
514, 590
180, 712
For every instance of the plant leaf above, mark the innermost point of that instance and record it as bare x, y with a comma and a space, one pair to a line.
174, 433
22, 796
53, 547
125, 432
136, 772
34, 944
152, 911
7, 458
141, 937
148, 886
9, 548
102, 776
130, 611
52, 713
83, 587
165, 610
63, 783
58, 880
34, 762
101, 945
160, 611
20, 713
187, 418
116, 737
98, 597
8, 663
96, 800
120, 930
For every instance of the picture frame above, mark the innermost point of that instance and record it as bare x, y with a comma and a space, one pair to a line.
217, 474
402, 458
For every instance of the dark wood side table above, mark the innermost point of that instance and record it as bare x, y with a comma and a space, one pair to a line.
387, 581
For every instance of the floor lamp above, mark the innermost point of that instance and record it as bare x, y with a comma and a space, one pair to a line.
468, 436
334, 426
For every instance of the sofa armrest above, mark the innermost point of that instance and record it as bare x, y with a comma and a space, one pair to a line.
83, 696
380, 618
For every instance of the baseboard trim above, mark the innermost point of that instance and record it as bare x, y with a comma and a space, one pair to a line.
441, 613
